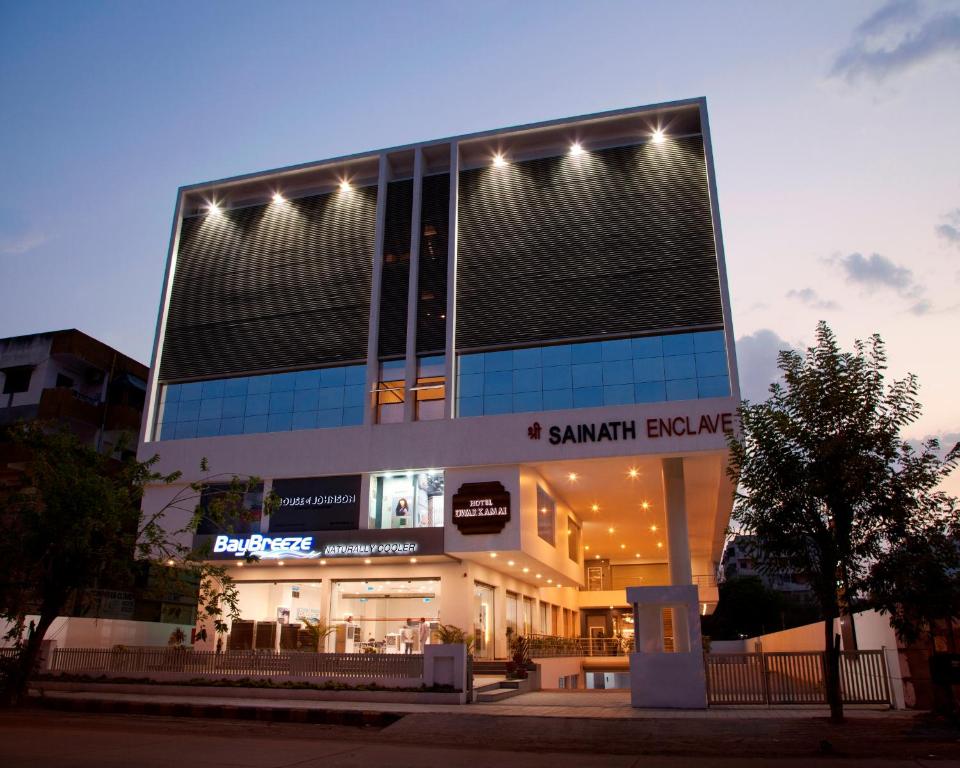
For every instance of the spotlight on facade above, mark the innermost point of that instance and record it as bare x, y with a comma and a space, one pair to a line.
213, 208
658, 136
413, 559
367, 561
278, 199
499, 160
323, 562
281, 563
576, 149
493, 554
345, 186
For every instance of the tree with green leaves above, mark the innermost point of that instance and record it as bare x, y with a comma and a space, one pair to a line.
72, 521
826, 483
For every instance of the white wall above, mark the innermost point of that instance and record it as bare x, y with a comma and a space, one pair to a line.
71, 632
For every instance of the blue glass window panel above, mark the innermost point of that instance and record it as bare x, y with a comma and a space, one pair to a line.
235, 387
471, 384
682, 389
648, 369
352, 417
618, 394
558, 355
526, 380
618, 372
497, 404
231, 426
192, 391
527, 401
498, 361
708, 341
306, 400
186, 429
557, 399
590, 375
208, 427
618, 349
586, 353
497, 383
212, 408
557, 377
355, 374
330, 417
711, 364
713, 386
256, 405
330, 397
307, 380
679, 367
283, 382
678, 344
168, 431
526, 358
171, 393
281, 402
650, 346
353, 396
255, 424
470, 406
650, 392
304, 420
212, 389
169, 412
258, 385
336, 377
279, 422
435, 365
471, 364
587, 397
189, 410
233, 407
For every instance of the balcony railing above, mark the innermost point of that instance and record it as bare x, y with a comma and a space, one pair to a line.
545, 646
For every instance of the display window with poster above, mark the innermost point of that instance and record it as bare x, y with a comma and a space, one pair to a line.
407, 500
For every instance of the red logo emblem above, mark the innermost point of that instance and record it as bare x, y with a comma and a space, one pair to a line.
533, 431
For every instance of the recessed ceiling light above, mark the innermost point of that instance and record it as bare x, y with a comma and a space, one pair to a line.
323, 562
659, 545
572, 477
623, 546
632, 472
281, 563
493, 554
367, 561
526, 570
637, 555
510, 562
645, 505
586, 547
278, 198
596, 557
595, 508
610, 530
413, 559
539, 576
499, 160
549, 581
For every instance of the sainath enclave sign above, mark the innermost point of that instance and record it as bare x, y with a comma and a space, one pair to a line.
652, 428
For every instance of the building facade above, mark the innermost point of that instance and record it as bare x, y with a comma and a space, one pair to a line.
489, 378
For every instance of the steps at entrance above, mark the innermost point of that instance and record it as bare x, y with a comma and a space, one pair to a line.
500, 690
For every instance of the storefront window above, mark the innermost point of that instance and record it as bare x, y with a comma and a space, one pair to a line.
546, 517
275, 615
383, 616
484, 628
409, 500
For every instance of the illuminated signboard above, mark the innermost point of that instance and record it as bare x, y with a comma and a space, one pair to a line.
316, 504
481, 508
268, 547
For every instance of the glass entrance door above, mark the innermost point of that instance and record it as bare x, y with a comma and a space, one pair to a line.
484, 632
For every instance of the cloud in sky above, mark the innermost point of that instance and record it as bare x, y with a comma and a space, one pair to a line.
896, 38
875, 272
950, 231
812, 299
757, 363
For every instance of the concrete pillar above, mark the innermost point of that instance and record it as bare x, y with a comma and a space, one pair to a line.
678, 539
373, 328
413, 293
451, 346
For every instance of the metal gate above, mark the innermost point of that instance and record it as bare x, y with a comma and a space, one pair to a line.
794, 678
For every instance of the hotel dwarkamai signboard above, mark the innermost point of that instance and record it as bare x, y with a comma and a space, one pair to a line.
481, 508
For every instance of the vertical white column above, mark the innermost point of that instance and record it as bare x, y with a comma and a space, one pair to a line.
678, 539
373, 330
409, 403
451, 368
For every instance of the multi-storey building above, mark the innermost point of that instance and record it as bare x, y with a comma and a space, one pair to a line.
490, 378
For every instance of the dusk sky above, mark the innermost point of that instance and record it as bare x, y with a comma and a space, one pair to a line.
835, 130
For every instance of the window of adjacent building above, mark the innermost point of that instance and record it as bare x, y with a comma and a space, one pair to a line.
431, 387
573, 539
391, 392
546, 517
407, 500
64, 381
17, 379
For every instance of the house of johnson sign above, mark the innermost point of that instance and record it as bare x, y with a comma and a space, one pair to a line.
652, 429
481, 508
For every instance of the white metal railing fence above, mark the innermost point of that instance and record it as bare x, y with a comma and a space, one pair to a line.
546, 646
794, 678
247, 663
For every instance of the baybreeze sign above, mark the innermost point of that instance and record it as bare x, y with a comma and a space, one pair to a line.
305, 547
652, 429
481, 508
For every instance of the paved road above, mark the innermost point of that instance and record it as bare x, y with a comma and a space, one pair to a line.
40, 738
